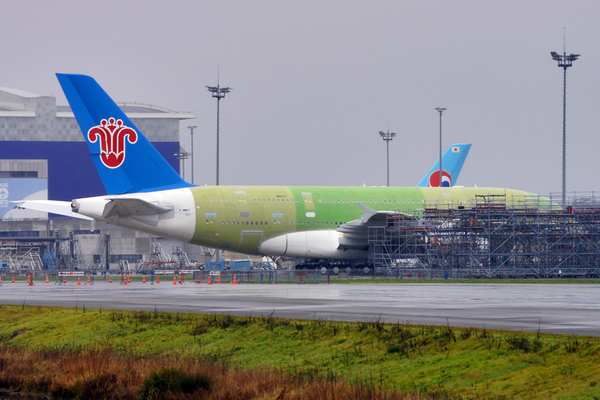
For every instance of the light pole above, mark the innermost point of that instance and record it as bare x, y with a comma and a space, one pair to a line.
441, 177
191, 128
387, 137
565, 61
182, 156
218, 93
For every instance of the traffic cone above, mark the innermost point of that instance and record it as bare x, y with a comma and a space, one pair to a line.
128, 279
157, 279
88, 281
144, 279
0, 279
219, 281
234, 281
65, 282
47, 281
109, 278
78, 281
175, 279
198, 281
13, 280
31, 280
209, 282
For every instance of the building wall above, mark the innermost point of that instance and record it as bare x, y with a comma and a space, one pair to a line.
36, 135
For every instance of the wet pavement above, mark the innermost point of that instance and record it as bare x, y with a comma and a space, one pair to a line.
558, 308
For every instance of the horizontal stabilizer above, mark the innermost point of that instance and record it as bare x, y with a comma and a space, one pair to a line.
51, 206
133, 207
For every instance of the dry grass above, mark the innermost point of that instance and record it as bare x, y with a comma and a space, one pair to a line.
105, 374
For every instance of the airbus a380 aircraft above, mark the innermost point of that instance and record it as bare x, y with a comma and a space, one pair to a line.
146, 194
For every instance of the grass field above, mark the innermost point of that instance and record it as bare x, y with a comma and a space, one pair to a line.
419, 361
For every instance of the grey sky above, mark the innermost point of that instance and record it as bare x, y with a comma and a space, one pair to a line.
314, 81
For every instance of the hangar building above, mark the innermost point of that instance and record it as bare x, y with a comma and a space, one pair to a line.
43, 156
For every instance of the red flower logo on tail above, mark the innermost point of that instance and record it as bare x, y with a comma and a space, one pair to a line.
112, 136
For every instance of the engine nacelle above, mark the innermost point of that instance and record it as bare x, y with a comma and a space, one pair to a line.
310, 244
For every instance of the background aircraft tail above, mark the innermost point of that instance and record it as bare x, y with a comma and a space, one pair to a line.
452, 162
126, 161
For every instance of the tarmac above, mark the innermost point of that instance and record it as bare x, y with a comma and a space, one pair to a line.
557, 308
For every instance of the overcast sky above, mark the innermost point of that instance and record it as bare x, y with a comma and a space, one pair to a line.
315, 81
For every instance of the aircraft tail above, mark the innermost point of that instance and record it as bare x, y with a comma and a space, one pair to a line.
126, 161
452, 162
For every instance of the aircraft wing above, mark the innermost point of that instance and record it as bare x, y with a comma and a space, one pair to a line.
355, 234
51, 206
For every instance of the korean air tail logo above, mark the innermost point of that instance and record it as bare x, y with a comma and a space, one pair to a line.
434, 180
112, 134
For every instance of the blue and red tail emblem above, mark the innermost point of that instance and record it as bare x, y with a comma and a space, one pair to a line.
434, 179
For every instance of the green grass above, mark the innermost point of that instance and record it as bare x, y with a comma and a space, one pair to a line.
449, 362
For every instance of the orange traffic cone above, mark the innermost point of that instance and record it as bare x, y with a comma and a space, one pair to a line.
109, 278
65, 281
13, 281
31, 280
209, 282
47, 281
157, 279
175, 279
234, 281
78, 281
198, 281
0, 279
219, 281
144, 279
88, 281
128, 279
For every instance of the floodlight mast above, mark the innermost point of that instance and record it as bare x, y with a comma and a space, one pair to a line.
564, 61
182, 156
191, 128
440, 110
387, 137
218, 93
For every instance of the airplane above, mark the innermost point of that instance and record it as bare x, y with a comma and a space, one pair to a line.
314, 222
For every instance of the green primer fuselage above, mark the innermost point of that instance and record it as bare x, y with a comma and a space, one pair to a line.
239, 218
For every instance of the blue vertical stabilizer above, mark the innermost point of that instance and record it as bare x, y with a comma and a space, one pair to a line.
452, 162
126, 161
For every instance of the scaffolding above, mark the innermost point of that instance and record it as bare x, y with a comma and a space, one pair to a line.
17, 257
493, 239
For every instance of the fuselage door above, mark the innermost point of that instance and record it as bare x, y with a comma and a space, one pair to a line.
211, 222
277, 221
308, 201
241, 198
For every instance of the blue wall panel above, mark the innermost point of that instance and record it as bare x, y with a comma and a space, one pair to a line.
71, 172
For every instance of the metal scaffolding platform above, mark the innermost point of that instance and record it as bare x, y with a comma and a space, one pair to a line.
492, 239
